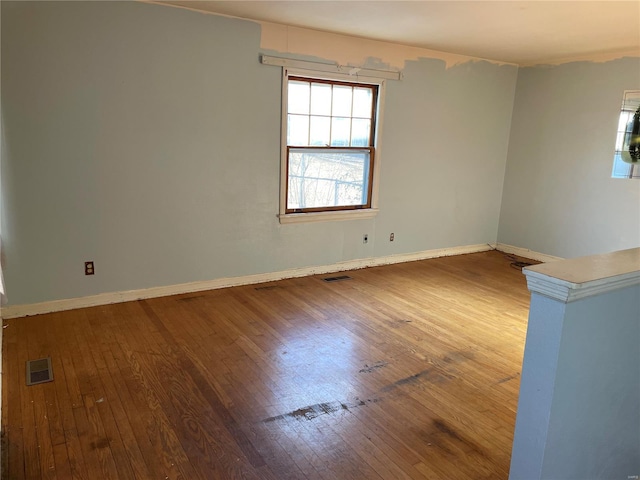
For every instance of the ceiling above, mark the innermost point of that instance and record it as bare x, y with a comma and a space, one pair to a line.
521, 32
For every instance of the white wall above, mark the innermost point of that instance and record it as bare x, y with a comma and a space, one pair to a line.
559, 197
146, 138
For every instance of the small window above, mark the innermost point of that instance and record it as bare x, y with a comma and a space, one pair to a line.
330, 151
626, 159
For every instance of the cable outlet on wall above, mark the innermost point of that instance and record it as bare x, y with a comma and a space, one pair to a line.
365, 238
392, 237
88, 268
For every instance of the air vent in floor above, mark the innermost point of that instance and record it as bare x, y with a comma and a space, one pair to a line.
337, 279
39, 371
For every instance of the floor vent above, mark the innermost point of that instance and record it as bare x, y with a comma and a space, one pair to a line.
337, 279
39, 371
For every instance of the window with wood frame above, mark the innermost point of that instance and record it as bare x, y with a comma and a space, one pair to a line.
330, 144
626, 158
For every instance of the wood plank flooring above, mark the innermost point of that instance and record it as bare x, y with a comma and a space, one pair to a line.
407, 371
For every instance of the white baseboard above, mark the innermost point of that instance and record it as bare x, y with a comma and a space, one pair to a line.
526, 253
14, 311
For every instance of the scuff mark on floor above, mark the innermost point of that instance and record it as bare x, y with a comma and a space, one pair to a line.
191, 298
471, 446
431, 374
510, 377
314, 411
398, 323
371, 368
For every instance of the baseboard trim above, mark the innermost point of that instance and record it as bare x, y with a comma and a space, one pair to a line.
526, 253
15, 311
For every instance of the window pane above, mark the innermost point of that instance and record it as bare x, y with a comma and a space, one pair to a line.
298, 130
625, 117
621, 169
340, 132
619, 141
360, 132
625, 124
298, 99
341, 101
320, 131
320, 99
362, 99
327, 178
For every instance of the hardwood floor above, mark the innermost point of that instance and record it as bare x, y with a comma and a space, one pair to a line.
404, 371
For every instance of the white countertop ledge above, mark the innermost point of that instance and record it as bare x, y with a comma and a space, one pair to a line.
576, 278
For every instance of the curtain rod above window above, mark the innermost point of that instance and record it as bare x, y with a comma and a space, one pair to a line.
327, 67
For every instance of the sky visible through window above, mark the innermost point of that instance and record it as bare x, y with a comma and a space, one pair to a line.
323, 114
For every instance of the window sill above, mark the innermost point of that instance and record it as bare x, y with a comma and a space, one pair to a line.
327, 216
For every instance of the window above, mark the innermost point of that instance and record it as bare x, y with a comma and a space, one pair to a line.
626, 159
329, 145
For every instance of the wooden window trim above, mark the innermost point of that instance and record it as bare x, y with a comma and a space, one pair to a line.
374, 89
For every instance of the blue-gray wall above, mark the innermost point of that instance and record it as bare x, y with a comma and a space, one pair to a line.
147, 139
559, 197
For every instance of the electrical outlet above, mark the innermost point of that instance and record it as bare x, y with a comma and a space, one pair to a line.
365, 238
392, 237
88, 268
